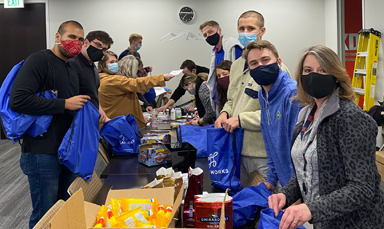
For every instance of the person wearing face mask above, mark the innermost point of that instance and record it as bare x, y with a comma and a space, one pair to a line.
278, 111
196, 86
242, 110
95, 45
222, 77
333, 152
118, 89
224, 48
49, 70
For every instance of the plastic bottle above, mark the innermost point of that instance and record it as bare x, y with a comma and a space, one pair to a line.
178, 113
160, 216
167, 217
173, 114
167, 113
154, 120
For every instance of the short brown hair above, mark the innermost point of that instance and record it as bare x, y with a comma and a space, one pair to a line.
101, 65
140, 63
212, 23
101, 36
134, 37
189, 64
62, 27
255, 14
330, 63
262, 44
133, 53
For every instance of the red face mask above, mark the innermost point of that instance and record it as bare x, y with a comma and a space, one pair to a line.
223, 82
73, 47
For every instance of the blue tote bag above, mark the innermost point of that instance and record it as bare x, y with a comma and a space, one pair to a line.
196, 136
150, 95
122, 135
268, 220
16, 124
224, 154
78, 150
248, 203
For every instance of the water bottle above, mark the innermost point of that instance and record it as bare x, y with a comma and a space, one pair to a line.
154, 120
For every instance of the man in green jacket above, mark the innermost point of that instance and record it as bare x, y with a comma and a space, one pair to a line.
242, 109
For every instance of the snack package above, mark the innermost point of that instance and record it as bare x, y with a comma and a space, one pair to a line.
163, 172
208, 210
155, 138
195, 187
151, 155
130, 204
115, 207
155, 184
102, 216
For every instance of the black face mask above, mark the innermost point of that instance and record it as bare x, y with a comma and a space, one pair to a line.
318, 85
265, 74
94, 54
213, 39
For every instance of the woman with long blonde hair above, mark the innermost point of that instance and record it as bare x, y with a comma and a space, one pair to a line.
333, 152
118, 87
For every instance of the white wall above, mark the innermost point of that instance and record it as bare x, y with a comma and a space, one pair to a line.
291, 25
374, 17
330, 12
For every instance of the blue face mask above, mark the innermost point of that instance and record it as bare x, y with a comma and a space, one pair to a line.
114, 67
246, 38
137, 47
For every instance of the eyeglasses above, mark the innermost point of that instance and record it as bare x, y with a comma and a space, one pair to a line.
99, 46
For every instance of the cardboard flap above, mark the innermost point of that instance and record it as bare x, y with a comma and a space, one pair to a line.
91, 211
164, 195
222, 215
380, 156
72, 214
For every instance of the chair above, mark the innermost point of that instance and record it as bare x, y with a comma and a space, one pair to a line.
103, 146
45, 221
254, 178
90, 188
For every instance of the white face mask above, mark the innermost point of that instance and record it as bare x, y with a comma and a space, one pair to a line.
192, 91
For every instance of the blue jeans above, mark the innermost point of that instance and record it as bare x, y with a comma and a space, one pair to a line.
48, 182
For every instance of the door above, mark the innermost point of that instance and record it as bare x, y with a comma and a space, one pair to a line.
22, 32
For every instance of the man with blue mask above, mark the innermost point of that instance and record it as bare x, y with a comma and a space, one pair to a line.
279, 111
224, 48
242, 110
135, 43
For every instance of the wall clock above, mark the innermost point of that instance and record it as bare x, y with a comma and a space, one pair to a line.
186, 14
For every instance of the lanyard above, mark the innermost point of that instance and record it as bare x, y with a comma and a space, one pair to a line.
308, 122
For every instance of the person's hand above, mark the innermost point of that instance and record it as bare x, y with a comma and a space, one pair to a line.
103, 117
277, 202
76, 102
168, 77
162, 109
295, 216
195, 121
232, 124
190, 108
196, 114
221, 120
149, 109
149, 68
269, 186
147, 120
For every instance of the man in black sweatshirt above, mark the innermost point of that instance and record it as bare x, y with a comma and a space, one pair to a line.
188, 66
41, 71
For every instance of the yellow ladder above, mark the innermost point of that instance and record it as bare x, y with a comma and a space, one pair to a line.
364, 75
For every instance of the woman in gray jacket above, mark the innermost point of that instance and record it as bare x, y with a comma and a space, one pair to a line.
333, 152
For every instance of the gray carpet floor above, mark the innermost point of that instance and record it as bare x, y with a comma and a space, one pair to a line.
15, 202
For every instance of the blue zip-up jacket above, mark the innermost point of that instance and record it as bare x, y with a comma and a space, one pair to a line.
279, 114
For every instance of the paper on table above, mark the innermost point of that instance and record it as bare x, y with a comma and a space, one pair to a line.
176, 72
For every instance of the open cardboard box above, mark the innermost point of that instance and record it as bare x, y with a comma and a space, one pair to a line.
79, 214
380, 163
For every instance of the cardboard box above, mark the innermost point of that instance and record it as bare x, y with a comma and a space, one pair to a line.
380, 163
154, 154
79, 214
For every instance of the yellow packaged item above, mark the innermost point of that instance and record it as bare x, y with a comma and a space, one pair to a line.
102, 214
126, 215
160, 216
148, 214
111, 220
167, 217
145, 204
115, 207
